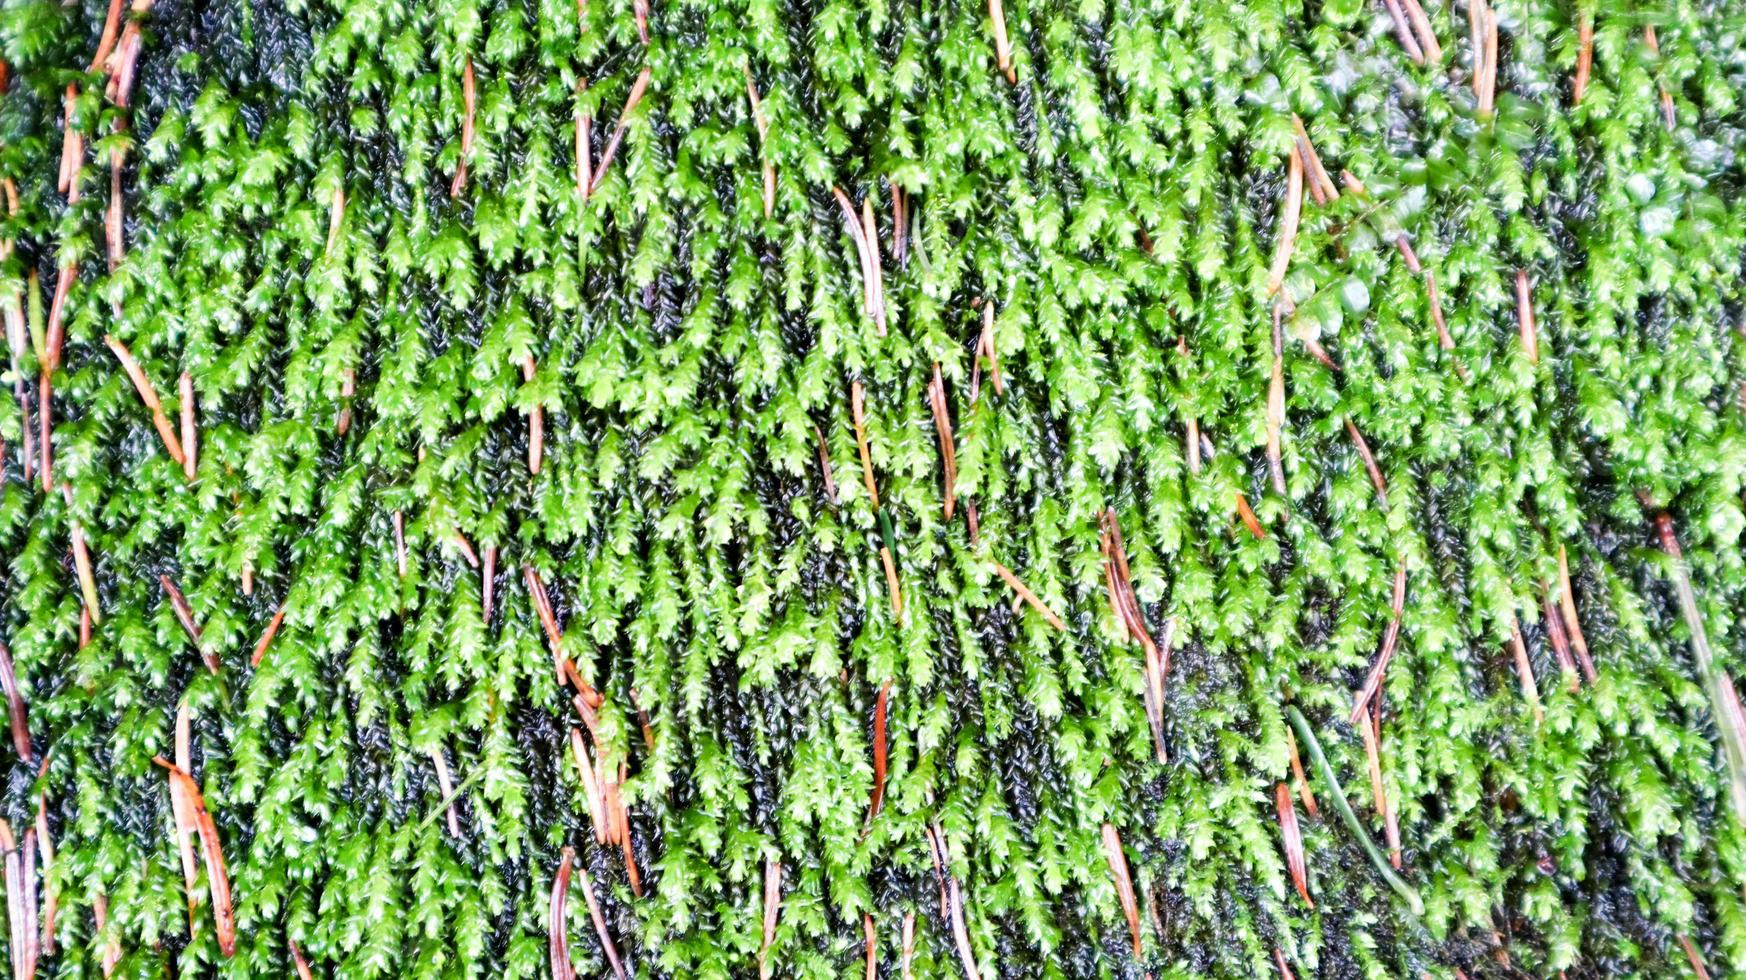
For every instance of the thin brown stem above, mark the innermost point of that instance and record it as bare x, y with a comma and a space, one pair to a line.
638, 88
267, 637
149, 396
469, 107
1028, 596
1293, 841
1124, 883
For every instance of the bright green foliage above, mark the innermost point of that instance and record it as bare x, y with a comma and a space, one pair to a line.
1124, 194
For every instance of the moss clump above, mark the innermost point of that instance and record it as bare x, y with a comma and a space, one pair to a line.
502, 358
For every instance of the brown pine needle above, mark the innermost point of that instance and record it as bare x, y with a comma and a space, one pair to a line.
857, 411
1369, 459
1370, 728
1725, 705
1567, 601
1304, 792
870, 229
1422, 27
185, 616
1002, 46
881, 704
769, 164
536, 423
488, 582
870, 941
15, 709
1584, 57
1404, 32
182, 808
908, 945
1279, 961
1390, 636
1525, 670
640, 9
447, 786
1124, 884
190, 437
1276, 406
469, 107
606, 943
590, 784
82, 565
1293, 838
638, 89
824, 466
301, 963
46, 844
149, 395
1247, 514
772, 913
400, 542
584, 124
1654, 45
943, 429
1560, 640
106, 42
1288, 220
217, 881
1525, 316
1694, 957
336, 216
891, 582
557, 942
1320, 182
267, 637
988, 348
1028, 596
